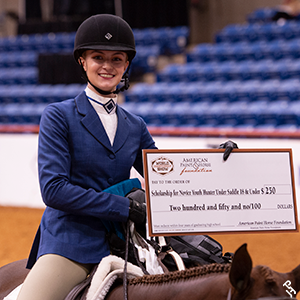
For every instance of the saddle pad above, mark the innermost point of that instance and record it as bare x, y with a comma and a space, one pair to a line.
109, 269
13, 294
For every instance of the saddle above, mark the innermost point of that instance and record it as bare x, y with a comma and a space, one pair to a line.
80, 291
101, 279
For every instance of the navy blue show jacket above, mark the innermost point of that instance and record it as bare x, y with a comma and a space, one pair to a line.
76, 162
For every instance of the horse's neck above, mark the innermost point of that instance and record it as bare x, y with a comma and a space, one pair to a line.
214, 287
211, 287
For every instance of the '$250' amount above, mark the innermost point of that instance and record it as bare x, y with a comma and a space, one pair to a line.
268, 190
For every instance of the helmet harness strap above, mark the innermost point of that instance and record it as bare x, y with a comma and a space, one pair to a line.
125, 81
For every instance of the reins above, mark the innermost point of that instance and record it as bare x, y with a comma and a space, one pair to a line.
125, 287
128, 240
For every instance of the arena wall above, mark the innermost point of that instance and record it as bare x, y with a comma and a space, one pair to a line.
18, 160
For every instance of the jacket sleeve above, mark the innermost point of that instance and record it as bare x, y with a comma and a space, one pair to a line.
54, 164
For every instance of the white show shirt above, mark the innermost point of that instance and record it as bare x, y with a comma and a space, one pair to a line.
109, 120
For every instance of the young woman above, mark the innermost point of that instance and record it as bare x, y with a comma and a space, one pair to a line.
86, 145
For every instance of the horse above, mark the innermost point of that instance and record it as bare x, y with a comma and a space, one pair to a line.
235, 281
11, 276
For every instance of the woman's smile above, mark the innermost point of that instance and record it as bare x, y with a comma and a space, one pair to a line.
106, 76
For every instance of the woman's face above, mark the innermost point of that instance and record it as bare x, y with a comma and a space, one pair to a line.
104, 68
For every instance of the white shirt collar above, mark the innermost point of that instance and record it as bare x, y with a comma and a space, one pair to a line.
99, 108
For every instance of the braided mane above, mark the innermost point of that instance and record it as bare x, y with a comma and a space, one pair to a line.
266, 273
181, 275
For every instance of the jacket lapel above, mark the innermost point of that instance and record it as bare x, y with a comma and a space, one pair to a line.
123, 130
90, 120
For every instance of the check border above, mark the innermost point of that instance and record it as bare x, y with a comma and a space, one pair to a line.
182, 151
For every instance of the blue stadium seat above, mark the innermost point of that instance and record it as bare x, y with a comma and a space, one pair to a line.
294, 110
270, 115
250, 90
171, 40
250, 117
292, 48
38, 94
255, 32
290, 89
19, 76
287, 114
19, 59
20, 113
261, 15
232, 115
63, 40
231, 33
146, 59
148, 112
190, 114
275, 50
265, 69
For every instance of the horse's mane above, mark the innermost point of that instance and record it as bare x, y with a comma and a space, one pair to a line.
181, 275
266, 273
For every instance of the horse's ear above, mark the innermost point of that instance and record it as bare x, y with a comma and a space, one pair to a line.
241, 269
296, 274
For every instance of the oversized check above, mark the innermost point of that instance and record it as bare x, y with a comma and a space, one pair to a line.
196, 192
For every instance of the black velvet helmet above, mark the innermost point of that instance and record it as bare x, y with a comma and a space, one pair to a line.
104, 32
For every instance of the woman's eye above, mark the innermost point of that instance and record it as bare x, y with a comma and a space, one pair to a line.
98, 57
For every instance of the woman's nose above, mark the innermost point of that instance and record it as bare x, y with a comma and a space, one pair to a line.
106, 63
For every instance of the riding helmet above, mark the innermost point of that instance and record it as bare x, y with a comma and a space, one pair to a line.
104, 32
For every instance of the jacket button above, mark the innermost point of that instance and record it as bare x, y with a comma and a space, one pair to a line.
112, 156
110, 180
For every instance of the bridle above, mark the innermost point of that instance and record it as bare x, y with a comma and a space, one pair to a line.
229, 294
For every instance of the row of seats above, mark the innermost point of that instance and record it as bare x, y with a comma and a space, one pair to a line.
261, 15
145, 61
231, 70
26, 75
22, 99
206, 100
238, 114
247, 80
25, 113
38, 94
276, 49
18, 59
22, 51
215, 91
38, 42
254, 32
171, 40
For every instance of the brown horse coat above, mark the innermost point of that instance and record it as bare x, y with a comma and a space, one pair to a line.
11, 276
213, 282
238, 281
